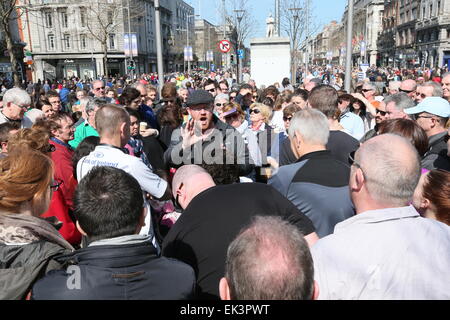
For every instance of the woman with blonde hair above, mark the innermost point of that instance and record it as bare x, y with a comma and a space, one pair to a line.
268, 139
28, 244
233, 115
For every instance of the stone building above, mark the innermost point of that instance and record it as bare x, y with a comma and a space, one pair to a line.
206, 39
433, 33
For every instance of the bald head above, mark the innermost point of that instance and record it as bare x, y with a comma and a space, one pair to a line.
409, 87
391, 168
188, 182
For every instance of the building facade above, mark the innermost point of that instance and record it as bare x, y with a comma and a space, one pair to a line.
433, 33
70, 39
206, 39
406, 52
182, 32
388, 35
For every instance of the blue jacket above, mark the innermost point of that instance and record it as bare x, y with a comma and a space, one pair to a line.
117, 272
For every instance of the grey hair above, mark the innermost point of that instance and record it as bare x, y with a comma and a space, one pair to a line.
391, 167
17, 96
437, 88
270, 260
95, 102
84, 101
370, 85
222, 96
401, 100
445, 75
312, 125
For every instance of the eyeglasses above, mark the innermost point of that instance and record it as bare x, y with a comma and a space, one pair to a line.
366, 90
55, 186
417, 117
232, 116
212, 90
406, 91
352, 162
220, 104
255, 111
100, 88
383, 113
287, 118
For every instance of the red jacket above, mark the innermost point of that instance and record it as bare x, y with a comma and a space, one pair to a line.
62, 199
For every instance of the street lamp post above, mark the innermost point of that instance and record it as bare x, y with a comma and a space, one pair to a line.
294, 56
239, 16
159, 46
348, 62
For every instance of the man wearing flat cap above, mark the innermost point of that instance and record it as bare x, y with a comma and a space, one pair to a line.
204, 138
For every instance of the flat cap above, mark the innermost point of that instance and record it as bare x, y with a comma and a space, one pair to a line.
199, 97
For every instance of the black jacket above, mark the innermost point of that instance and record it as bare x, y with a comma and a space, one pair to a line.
228, 136
118, 272
436, 156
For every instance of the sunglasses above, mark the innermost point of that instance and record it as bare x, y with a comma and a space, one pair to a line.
383, 113
100, 88
287, 118
417, 117
220, 104
366, 90
255, 111
211, 90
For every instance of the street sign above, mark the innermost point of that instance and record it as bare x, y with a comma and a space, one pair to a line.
330, 55
213, 67
224, 46
134, 48
188, 54
240, 53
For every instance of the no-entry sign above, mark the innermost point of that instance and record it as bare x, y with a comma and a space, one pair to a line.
224, 46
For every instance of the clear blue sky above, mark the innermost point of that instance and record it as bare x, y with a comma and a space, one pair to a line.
323, 11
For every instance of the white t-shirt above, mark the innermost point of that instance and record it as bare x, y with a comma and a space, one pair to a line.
114, 157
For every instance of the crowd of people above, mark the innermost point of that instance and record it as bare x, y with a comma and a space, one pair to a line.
205, 188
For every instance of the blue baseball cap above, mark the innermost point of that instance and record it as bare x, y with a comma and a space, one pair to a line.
434, 105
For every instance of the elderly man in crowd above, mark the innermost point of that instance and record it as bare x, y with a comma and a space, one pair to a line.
214, 215
386, 251
432, 116
396, 104
288, 272
428, 89
317, 184
15, 103
409, 87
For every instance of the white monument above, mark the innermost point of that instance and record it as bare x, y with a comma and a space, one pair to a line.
270, 57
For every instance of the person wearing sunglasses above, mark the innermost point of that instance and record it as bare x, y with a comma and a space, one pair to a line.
428, 89
212, 87
219, 102
369, 92
235, 117
409, 87
432, 115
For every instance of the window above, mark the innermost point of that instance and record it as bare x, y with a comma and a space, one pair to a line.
51, 42
66, 41
112, 41
48, 19
110, 17
83, 17
64, 19
431, 10
83, 41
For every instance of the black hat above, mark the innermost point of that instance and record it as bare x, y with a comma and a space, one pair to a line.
199, 97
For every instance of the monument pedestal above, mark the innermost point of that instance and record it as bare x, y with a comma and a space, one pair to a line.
270, 60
